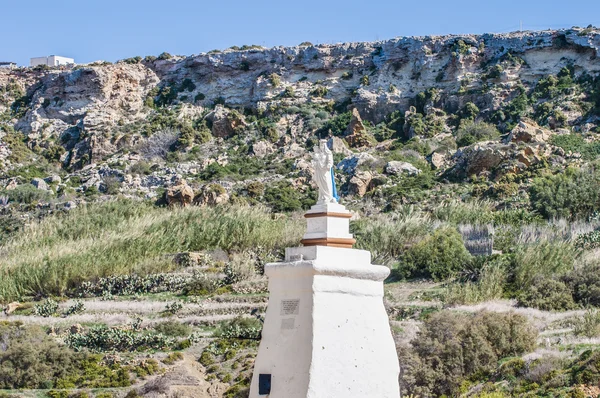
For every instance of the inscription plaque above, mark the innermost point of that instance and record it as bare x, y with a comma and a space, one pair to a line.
290, 307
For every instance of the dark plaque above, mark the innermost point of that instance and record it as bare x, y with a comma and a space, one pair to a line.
264, 384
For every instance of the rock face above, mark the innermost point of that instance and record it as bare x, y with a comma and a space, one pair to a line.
39, 184
360, 183
92, 108
528, 131
211, 195
356, 134
262, 149
180, 194
225, 121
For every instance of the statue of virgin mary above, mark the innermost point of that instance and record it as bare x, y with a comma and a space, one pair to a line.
323, 175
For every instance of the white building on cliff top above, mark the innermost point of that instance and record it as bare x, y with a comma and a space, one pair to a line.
51, 60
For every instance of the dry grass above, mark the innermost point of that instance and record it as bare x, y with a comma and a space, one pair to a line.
123, 237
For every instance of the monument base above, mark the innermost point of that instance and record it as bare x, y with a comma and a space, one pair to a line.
326, 331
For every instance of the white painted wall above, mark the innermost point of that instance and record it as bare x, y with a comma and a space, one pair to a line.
52, 60
339, 344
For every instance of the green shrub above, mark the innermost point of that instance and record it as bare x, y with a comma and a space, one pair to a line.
165, 56
471, 132
575, 143
452, 347
584, 282
104, 339
438, 256
572, 195
46, 309
173, 329
282, 197
548, 295
489, 286
275, 79
240, 328
545, 259
27, 194
588, 325
172, 358
29, 358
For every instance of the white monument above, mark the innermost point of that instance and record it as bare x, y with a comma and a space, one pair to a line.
326, 331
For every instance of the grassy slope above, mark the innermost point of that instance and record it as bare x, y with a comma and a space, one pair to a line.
124, 237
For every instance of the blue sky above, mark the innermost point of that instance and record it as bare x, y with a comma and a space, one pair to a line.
90, 30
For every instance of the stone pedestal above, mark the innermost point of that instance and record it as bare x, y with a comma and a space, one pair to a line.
326, 331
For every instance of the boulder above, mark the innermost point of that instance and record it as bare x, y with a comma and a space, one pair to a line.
356, 125
293, 151
360, 183
211, 195
225, 121
350, 163
338, 145
11, 307
39, 184
479, 158
528, 131
437, 160
54, 179
12, 184
356, 134
180, 194
261, 149
397, 168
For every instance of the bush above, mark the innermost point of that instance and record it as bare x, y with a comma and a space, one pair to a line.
489, 286
438, 256
102, 338
27, 194
46, 309
575, 143
472, 132
282, 197
584, 282
548, 295
31, 359
545, 259
452, 347
240, 328
173, 329
572, 195
588, 325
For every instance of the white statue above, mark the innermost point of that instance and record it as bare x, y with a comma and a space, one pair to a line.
323, 162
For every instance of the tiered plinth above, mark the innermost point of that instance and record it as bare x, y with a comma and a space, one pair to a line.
326, 331
328, 225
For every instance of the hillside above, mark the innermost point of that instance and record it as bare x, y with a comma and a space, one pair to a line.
140, 200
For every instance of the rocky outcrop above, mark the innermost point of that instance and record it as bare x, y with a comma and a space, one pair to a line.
225, 122
360, 183
528, 131
39, 184
92, 107
211, 195
398, 168
496, 159
181, 194
356, 134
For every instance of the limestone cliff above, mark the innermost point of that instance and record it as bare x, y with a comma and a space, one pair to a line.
277, 98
